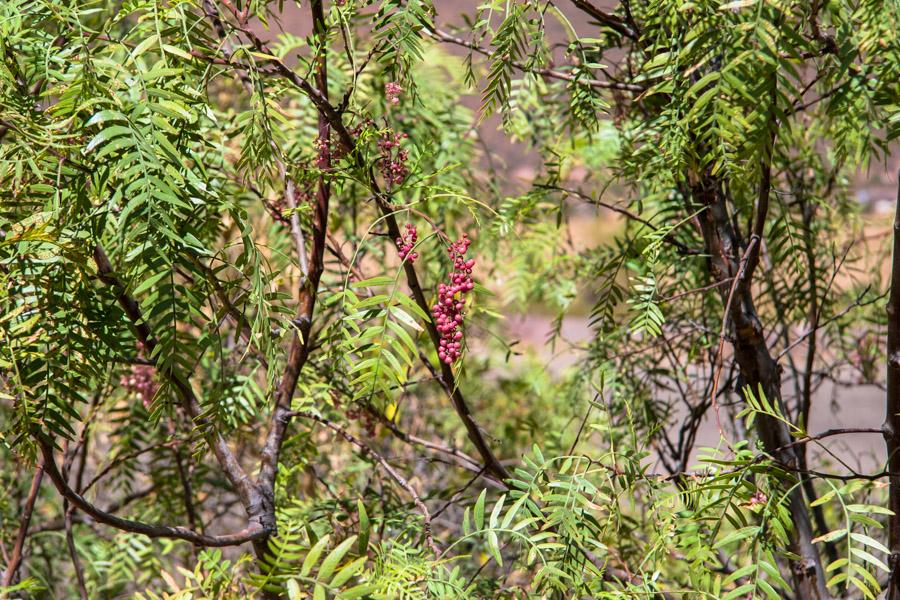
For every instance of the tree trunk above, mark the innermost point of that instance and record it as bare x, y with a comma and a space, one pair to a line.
891, 427
758, 368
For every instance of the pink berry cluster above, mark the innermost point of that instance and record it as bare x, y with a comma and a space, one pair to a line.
392, 91
139, 380
447, 312
406, 243
364, 124
393, 158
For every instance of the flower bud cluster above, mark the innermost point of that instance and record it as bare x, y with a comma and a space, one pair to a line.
447, 312
393, 158
758, 499
407, 242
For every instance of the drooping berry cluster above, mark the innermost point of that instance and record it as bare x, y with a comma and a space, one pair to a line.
447, 311
393, 158
139, 380
406, 243
392, 91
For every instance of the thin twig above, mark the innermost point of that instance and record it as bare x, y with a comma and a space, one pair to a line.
73, 552
443, 36
669, 237
857, 304
725, 319
401, 481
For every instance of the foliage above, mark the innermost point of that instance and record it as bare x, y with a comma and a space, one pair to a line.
220, 378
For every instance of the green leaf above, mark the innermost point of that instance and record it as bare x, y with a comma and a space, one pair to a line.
374, 282
331, 561
869, 541
830, 536
738, 592
347, 572
356, 592
313, 557
870, 558
493, 545
104, 116
495, 513
868, 508
737, 536
141, 48
364, 529
108, 134
479, 510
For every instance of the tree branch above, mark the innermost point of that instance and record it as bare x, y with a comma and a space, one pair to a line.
252, 532
15, 559
225, 457
604, 18
301, 343
891, 425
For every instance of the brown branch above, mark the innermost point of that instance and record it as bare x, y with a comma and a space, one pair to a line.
604, 18
765, 184
758, 369
447, 377
858, 303
461, 458
60, 524
698, 290
807, 439
891, 425
252, 532
224, 456
73, 553
735, 282
187, 492
15, 559
231, 310
82, 450
299, 240
118, 461
301, 343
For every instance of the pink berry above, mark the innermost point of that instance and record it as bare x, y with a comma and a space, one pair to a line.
448, 309
406, 243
